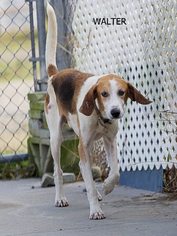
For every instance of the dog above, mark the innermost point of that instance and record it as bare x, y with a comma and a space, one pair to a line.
91, 105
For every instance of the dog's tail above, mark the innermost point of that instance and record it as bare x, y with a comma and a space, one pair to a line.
51, 41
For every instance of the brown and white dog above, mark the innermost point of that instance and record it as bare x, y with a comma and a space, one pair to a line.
91, 105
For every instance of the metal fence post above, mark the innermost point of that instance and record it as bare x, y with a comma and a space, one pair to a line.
41, 43
33, 58
63, 57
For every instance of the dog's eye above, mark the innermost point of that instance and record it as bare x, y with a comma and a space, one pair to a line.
121, 92
105, 94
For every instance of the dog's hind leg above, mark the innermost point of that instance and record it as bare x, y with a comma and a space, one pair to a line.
55, 144
54, 122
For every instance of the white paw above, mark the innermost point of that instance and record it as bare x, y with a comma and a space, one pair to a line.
109, 184
61, 202
97, 215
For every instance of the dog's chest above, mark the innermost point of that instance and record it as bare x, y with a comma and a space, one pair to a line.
94, 128
101, 130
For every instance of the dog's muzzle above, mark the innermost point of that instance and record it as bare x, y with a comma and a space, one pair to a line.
115, 113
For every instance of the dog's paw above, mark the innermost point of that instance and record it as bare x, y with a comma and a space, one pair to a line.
97, 215
109, 184
108, 187
61, 203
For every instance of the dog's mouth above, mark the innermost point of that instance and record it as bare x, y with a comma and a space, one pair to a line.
114, 114
109, 120
106, 120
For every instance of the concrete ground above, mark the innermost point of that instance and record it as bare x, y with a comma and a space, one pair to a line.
27, 209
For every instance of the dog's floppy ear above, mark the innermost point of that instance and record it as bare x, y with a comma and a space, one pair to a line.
88, 104
135, 95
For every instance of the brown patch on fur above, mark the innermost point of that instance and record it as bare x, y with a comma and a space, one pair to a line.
62, 111
81, 151
135, 95
103, 85
123, 85
67, 84
52, 70
88, 104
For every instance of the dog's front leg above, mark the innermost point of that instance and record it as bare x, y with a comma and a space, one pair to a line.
95, 210
110, 145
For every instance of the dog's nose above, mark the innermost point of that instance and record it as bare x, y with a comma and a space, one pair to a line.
115, 113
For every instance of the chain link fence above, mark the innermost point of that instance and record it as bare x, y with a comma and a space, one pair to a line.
22, 69
16, 79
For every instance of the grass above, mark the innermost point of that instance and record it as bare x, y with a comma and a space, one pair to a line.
17, 170
15, 51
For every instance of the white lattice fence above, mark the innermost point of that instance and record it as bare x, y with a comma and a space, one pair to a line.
144, 51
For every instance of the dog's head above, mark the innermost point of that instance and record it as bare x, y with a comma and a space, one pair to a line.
110, 95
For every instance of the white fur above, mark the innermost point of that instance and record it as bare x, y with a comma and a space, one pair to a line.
51, 40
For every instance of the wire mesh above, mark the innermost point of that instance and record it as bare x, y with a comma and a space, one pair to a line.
15, 76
